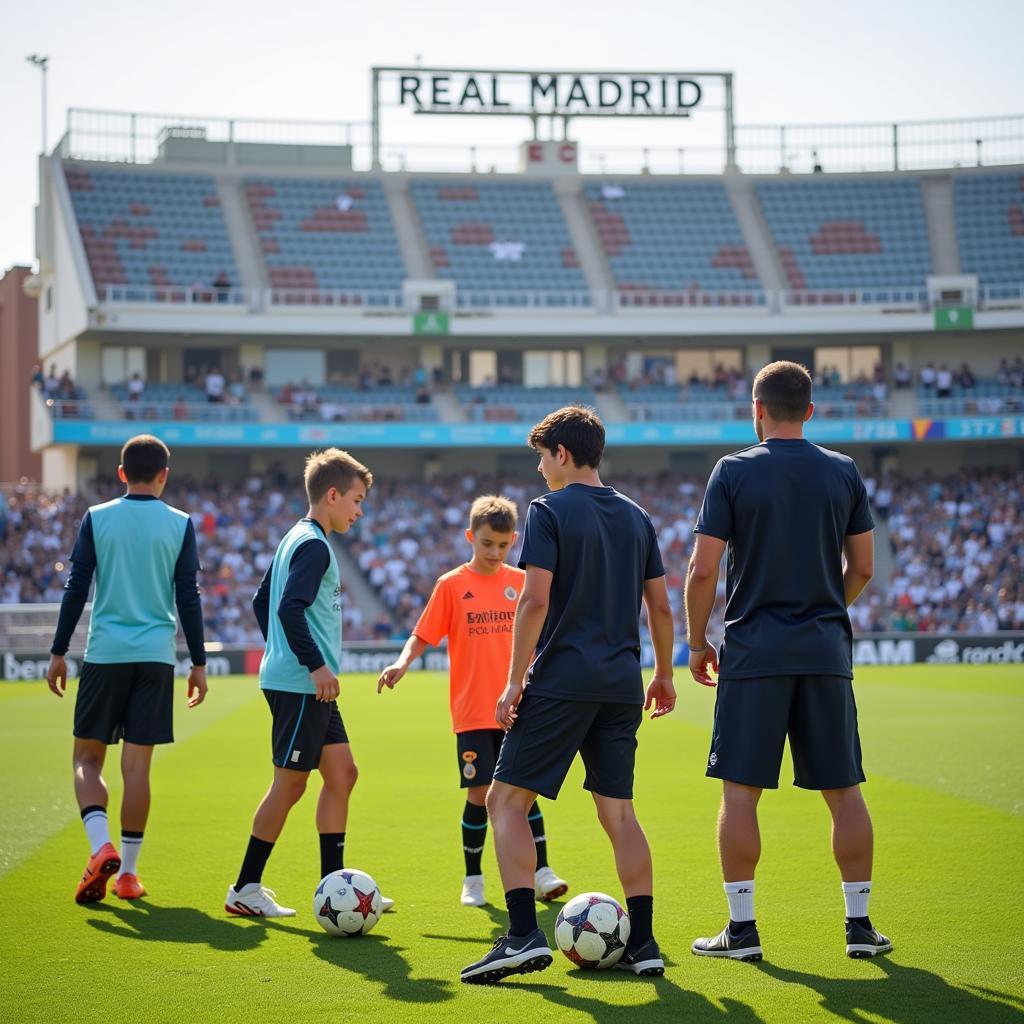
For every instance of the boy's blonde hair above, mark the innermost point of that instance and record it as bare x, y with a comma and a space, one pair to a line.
333, 468
494, 511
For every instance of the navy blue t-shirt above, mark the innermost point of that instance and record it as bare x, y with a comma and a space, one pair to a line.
600, 547
785, 506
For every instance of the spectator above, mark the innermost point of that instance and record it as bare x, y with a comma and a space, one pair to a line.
52, 383
943, 382
135, 387
222, 286
965, 377
38, 379
927, 376
901, 377
215, 385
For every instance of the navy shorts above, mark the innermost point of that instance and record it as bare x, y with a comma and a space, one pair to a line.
133, 702
539, 748
302, 727
753, 717
478, 755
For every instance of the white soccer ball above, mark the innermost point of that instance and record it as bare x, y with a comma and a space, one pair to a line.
592, 930
347, 902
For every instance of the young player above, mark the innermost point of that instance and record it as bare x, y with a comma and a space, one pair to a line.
143, 554
791, 514
591, 556
474, 606
298, 608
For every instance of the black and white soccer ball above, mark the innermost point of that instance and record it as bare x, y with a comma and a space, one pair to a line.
592, 930
347, 902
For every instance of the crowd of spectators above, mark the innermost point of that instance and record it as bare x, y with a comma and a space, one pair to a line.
53, 386
957, 545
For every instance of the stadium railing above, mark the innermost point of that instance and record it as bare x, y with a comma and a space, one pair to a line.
335, 300
145, 409
195, 295
1001, 296
733, 410
752, 300
909, 298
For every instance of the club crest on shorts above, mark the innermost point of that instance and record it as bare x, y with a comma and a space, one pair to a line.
713, 760
510, 593
469, 770
469, 755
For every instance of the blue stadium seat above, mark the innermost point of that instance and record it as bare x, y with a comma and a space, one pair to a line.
327, 234
151, 230
672, 239
499, 241
990, 226
835, 235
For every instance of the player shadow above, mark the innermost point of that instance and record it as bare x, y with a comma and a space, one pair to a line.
374, 957
141, 919
672, 1001
903, 995
547, 915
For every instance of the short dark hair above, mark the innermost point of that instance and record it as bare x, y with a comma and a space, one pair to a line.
577, 428
333, 468
785, 390
143, 458
496, 512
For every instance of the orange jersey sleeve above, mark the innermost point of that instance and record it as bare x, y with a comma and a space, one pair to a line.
435, 621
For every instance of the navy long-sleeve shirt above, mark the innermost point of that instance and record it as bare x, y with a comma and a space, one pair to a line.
305, 572
186, 591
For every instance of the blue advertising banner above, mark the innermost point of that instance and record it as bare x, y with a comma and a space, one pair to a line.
513, 435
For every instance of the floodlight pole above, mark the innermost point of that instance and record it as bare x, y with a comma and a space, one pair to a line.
41, 63
375, 123
730, 126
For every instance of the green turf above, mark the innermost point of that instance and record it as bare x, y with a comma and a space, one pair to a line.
945, 761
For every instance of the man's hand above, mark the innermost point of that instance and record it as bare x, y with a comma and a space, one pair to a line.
57, 674
390, 676
326, 683
661, 695
197, 685
701, 662
505, 712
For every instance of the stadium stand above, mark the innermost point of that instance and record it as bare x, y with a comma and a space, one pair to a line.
509, 403
154, 231
328, 235
499, 241
835, 236
180, 402
334, 403
990, 228
673, 244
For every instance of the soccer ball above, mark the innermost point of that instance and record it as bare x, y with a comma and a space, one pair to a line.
592, 930
347, 902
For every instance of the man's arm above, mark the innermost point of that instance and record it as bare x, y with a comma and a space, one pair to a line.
76, 593
261, 603
660, 693
701, 588
305, 573
190, 614
531, 611
859, 552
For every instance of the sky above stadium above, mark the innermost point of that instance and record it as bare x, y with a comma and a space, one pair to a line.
880, 60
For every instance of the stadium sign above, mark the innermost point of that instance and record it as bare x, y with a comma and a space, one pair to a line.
505, 92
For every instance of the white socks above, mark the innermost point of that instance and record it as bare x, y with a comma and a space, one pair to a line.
131, 846
857, 895
95, 821
741, 900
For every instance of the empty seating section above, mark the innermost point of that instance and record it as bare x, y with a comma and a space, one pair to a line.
512, 403
497, 239
331, 235
180, 402
666, 402
329, 403
673, 243
990, 228
159, 231
853, 234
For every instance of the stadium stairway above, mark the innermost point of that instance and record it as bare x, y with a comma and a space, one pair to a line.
267, 407
449, 408
244, 240
610, 407
584, 237
884, 560
357, 586
939, 212
412, 243
756, 236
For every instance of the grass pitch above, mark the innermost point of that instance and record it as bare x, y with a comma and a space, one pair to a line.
945, 761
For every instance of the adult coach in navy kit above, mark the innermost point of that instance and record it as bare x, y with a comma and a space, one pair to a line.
791, 514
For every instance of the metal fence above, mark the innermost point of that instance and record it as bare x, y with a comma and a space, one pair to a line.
124, 137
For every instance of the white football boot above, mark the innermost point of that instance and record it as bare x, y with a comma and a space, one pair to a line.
473, 891
548, 886
254, 900
386, 903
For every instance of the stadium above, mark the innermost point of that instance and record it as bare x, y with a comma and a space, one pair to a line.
252, 291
